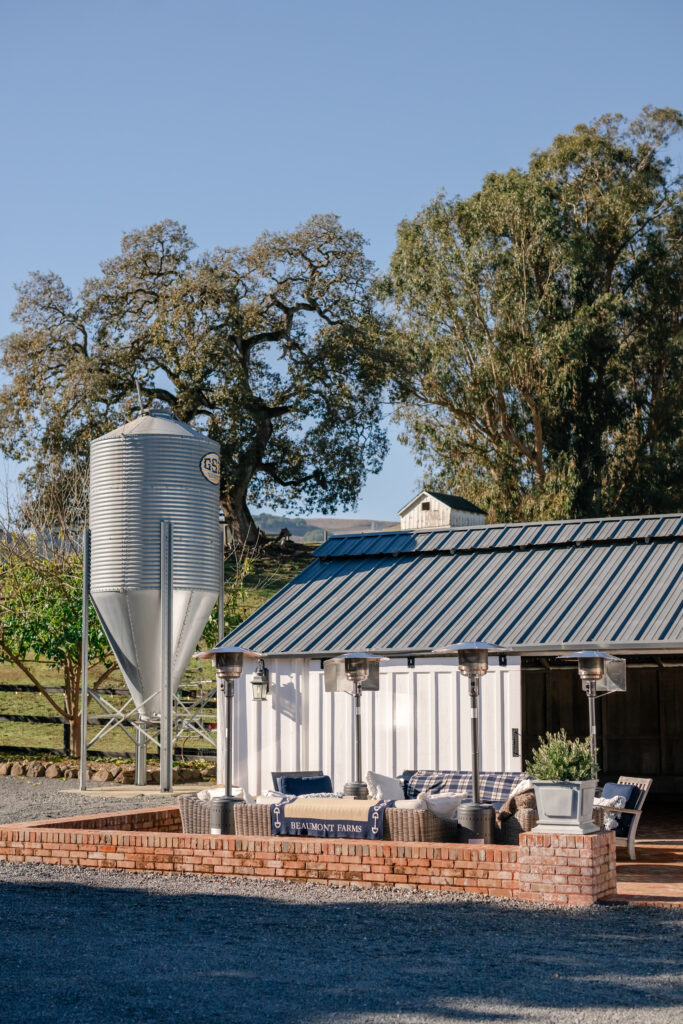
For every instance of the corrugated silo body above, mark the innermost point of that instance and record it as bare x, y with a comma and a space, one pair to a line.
149, 470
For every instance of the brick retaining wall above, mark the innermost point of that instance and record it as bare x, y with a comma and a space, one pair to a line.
562, 869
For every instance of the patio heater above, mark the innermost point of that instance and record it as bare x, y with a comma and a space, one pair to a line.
353, 673
228, 662
475, 819
595, 675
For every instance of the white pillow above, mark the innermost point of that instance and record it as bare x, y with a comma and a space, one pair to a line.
270, 798
418, 804
611, 821
443, 805
384, 787
238, 791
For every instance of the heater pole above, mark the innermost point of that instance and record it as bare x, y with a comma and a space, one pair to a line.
591, 690
166, 726
356, 710
221, 592
85, 629
229, 686
474, 713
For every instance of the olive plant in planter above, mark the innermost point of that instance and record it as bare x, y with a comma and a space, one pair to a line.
565, 779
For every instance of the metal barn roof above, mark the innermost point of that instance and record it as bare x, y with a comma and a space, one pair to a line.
530, 587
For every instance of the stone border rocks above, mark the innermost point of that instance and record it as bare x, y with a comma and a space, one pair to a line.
100, 771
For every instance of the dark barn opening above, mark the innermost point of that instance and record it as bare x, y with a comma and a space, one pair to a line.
640, 732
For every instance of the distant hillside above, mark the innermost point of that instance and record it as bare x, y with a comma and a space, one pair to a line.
311, 530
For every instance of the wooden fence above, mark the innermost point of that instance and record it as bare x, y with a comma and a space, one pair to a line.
13, 750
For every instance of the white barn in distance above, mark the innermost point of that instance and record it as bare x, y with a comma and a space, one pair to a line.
431, 510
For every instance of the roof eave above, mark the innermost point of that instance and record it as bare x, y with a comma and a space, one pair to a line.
523, 650
412, 502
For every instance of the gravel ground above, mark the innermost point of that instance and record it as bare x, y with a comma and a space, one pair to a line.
96, 947
23, 799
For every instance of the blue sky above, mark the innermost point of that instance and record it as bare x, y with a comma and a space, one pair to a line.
239, 117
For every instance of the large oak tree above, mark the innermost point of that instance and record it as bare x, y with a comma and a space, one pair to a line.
540, 322
275, 349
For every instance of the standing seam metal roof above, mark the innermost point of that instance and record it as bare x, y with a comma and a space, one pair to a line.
530, 587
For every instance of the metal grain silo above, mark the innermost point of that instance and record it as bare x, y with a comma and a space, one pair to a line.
153, 471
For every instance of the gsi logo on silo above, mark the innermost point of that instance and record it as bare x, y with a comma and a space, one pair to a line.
210, 466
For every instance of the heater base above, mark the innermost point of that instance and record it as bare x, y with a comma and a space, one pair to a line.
357, 790
476, 822
223, 815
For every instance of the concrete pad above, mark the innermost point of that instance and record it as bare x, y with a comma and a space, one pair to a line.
112, 789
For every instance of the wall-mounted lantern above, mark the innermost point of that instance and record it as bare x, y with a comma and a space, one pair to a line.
260, 682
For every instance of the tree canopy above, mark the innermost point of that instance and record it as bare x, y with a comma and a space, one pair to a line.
539, 325
275, 349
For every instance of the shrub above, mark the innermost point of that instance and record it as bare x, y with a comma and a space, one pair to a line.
559, 759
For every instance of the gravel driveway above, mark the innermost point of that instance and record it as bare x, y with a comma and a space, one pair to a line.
89, 947
23, 799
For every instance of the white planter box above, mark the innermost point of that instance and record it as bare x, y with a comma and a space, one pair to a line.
566, 806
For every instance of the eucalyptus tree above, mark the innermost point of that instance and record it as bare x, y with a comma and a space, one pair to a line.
539, 322
276, 349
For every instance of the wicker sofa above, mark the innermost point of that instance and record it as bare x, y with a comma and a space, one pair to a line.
496, 787
400, 824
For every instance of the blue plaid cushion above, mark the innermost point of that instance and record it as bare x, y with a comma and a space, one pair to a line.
494, 786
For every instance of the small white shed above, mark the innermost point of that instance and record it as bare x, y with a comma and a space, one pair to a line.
431, 510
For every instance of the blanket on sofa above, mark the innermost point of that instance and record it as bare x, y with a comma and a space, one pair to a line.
328, 819
496, 787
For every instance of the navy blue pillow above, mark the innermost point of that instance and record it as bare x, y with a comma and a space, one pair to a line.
294, 785
631, 793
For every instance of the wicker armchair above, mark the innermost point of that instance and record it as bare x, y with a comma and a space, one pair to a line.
508, 831
195, 814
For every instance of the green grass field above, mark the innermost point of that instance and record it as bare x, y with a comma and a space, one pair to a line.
268, 574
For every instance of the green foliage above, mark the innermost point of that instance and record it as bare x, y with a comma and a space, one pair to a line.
275, 349
236, 599
539, 329
40, 616
41, 613
559, 759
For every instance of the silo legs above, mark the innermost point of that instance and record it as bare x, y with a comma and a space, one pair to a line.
140, 755
166, 727
85, 628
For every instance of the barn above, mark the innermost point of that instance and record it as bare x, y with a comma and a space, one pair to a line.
536, 589
432, 509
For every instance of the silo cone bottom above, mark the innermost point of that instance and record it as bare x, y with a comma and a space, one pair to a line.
223, 815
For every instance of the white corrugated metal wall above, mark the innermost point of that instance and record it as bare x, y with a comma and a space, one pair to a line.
419, 718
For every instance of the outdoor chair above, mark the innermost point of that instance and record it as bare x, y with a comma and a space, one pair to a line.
625, 833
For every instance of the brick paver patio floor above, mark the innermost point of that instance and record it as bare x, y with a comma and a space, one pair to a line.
655, 878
